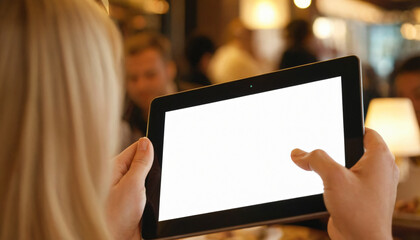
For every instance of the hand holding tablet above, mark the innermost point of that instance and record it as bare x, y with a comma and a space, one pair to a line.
360, 200
222, 153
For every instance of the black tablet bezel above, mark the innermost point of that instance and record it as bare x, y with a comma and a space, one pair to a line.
348, 68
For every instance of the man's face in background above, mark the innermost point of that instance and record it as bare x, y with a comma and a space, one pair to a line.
407, 85
149, 76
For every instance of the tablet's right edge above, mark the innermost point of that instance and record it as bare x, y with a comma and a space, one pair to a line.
352, 109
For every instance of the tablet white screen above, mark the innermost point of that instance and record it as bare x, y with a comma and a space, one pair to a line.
236, 153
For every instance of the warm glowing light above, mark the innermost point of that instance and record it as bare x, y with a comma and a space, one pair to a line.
417, 27
395, 120
408, 31
340, 28
156, 6
322, 28
359, 10
302, 3
264, 14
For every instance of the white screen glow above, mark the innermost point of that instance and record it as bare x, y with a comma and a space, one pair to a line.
236, 153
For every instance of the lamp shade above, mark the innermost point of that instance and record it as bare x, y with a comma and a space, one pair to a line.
394, 119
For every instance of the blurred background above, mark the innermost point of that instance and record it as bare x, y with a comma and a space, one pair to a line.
202, 42
379, 32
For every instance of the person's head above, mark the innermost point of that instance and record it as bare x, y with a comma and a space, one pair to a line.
297, 32
199, 50
239, 33
150, 71
60, 97
406, 82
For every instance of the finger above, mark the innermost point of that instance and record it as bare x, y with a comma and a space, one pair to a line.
122, 162
297, 155
377, 154
373, 141
333, 232
125, 157
318, 161
143, 159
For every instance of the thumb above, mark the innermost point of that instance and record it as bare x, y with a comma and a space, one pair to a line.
143, 159
318, 161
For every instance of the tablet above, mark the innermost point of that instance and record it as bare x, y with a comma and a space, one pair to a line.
222, 153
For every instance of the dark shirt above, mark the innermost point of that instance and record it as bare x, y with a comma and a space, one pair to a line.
198, 77
296, 56
134, 116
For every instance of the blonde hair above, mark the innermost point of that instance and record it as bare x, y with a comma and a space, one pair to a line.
60, 95
104, 4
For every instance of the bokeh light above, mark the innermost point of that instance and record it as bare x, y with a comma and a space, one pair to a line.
322, 28
408, 31
302, 3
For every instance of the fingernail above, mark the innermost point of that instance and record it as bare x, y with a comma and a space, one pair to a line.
143, 143
298, 152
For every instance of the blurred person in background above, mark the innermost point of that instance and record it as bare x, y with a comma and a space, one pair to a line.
199, 52
150, 73
299, 37
405, 82
235, 59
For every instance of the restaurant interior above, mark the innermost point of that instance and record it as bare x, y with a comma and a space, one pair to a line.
383, 34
